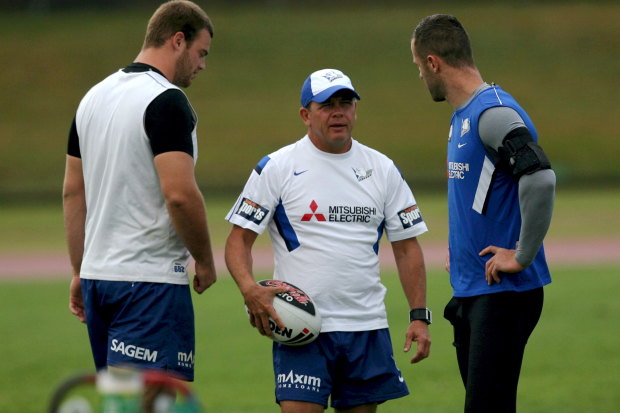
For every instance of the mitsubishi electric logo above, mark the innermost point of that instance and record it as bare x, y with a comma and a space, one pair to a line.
457, 170
341, 213
299, 381
313, 207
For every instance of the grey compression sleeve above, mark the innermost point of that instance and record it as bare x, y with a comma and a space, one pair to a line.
536, 190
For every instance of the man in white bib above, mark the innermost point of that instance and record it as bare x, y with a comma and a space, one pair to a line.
133, 211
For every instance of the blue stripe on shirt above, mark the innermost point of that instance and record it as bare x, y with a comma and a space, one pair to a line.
261, 164
379, 235
285, 229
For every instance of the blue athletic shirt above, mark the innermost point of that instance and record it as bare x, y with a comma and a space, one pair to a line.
483, 204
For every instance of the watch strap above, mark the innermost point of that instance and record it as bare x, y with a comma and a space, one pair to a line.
423, 314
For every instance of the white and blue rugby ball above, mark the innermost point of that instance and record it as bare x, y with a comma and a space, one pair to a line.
297, 311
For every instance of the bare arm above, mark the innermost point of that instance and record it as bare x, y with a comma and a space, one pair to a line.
74, 211
259, 300
187, 211
412, 273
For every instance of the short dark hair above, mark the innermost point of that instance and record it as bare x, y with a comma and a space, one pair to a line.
176, 16
444, 36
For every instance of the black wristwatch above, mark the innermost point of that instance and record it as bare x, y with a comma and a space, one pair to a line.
423, 314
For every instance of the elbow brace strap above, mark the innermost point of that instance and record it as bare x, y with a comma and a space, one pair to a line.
521, 155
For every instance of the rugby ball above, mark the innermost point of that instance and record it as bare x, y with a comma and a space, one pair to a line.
298, 313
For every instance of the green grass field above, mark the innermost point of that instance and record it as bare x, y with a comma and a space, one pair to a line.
583, 213
571, 365
558, 59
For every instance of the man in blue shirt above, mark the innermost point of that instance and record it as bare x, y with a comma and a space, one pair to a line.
500, 201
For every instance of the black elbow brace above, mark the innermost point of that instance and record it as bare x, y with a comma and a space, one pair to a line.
521, 155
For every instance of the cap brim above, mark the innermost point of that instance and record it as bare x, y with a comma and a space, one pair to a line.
327, 93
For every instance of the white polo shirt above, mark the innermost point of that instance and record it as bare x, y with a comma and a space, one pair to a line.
326, 214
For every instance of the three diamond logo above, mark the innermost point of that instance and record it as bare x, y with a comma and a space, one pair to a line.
313, 208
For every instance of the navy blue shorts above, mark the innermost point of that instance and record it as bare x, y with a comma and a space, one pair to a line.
141, 325
354, 368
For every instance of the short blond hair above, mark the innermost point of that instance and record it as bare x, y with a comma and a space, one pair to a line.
176, 16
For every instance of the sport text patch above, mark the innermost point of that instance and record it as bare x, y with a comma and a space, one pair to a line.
410, 216
251, 211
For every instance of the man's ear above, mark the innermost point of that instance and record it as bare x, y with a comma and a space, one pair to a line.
305, 115
178, 40
433, 62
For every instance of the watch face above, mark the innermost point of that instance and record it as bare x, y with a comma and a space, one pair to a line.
423, 314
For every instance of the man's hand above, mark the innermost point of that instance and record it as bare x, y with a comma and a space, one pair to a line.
76, 304
259, 302
503, 260
205, 277
418, 332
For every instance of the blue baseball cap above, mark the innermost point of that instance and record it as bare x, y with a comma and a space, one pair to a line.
322, 84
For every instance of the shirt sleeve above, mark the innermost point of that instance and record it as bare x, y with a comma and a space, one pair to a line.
73, 145
536, 199
257, 204
495, 123
536, 190
169, 122
403, 218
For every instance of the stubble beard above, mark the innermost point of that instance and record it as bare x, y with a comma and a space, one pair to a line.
437, 91
183, 71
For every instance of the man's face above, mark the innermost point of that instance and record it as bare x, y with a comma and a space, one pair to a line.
330, 124
192, 59
434, 84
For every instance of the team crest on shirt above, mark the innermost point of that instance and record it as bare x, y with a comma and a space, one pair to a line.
465, 126
361, 173
252, 211
410, 216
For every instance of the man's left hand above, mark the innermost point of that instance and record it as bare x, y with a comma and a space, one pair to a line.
418, 331
503, 260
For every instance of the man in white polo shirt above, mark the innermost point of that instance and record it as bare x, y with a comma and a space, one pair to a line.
326, 201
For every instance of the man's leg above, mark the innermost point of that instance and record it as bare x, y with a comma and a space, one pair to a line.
500, 326
454, 313
290, 406
365, 408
